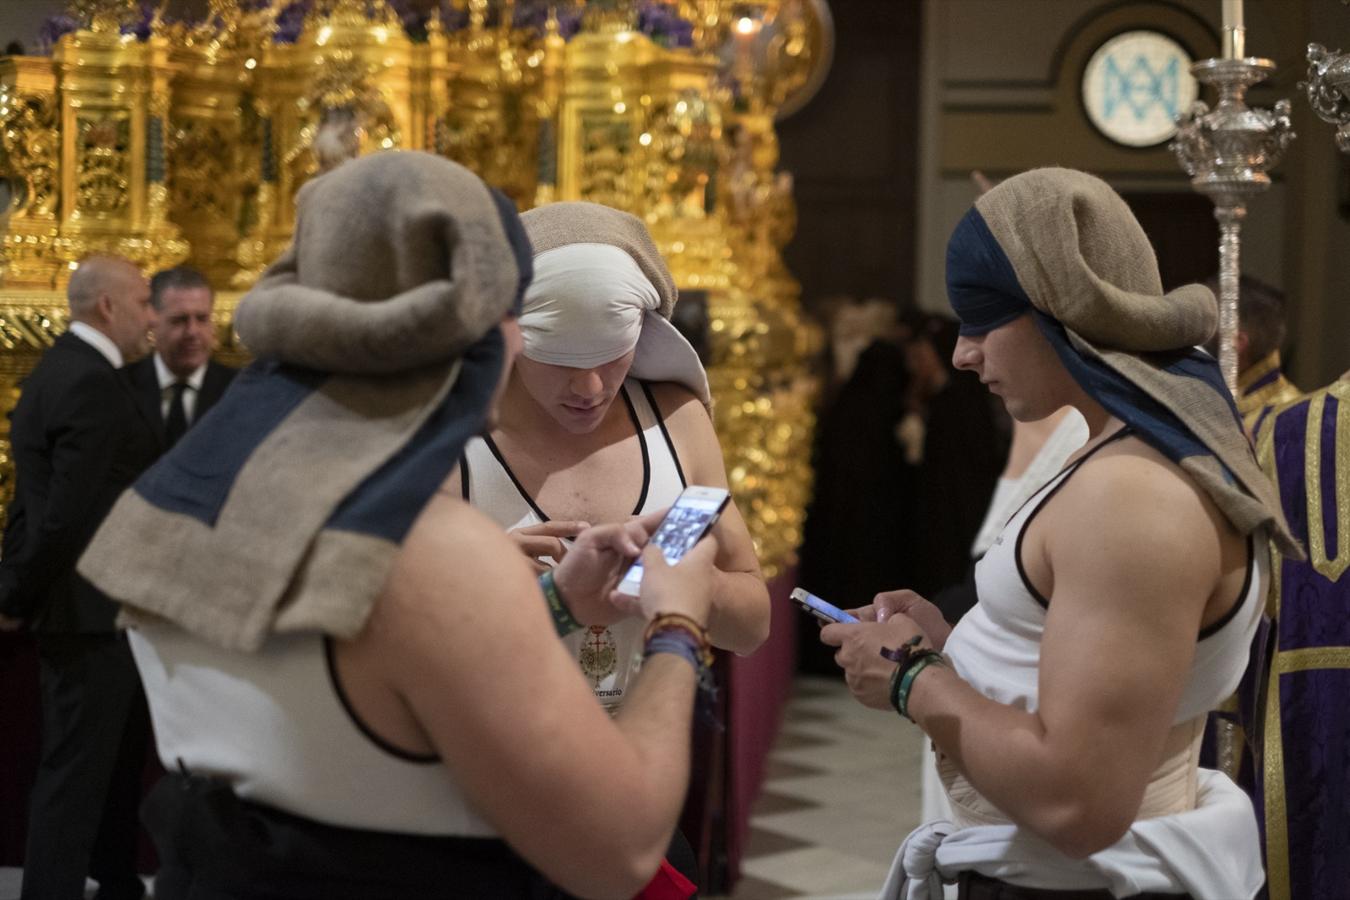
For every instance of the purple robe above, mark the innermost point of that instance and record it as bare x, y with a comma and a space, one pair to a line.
1303, 724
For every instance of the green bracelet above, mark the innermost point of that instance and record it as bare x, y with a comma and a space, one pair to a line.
918, 663
563, 620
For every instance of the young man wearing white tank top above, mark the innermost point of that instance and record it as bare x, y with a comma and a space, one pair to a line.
1115, 607
606, 416
355, 678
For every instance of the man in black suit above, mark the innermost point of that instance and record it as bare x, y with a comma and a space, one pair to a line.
78, 441
179, 382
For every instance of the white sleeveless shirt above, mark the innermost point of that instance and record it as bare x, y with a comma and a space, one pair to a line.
276, 725
609, 656
996, 648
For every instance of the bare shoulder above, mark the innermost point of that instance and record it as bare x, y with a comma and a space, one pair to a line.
1129, 503
454, 555
691, 429
1131, 475
677, 403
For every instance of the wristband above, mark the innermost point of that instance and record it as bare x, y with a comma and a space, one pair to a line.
563, 620
677, 622
687, 639
922, 660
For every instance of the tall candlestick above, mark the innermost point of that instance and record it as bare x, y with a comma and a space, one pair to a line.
1234, 31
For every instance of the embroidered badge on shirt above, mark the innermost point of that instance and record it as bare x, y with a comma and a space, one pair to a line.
599, 655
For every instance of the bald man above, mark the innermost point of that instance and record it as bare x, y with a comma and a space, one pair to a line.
78, 440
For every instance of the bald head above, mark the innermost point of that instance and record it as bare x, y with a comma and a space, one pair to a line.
98, 275
111, 295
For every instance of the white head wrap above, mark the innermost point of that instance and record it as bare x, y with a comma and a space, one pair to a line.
585, 306
590, 303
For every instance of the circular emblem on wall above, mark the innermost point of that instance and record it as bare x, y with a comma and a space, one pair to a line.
1136, 85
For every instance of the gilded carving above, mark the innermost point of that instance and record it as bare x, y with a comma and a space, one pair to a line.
212, 127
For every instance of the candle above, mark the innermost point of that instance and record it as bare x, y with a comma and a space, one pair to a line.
1234, 31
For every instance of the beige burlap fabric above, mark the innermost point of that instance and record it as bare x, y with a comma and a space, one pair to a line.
283, 508
1082, 259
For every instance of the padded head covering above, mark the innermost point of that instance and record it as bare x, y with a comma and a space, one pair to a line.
283, 508
1063, 244
590, 304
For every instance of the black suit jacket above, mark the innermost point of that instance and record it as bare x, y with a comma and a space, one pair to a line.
78, 439
145, 382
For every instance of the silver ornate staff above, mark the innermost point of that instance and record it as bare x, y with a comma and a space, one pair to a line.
1228, 151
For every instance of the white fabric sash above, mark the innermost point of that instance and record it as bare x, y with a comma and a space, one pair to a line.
1211, 852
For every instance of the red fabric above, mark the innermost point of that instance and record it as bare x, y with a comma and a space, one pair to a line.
758, 690
668, 884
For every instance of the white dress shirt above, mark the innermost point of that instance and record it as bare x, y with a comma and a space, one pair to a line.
166, 382
99, 341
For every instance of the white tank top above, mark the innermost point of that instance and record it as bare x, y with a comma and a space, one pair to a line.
609, 656
996, 649
276, 726
996, 646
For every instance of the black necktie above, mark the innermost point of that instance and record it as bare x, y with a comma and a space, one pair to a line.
176, 423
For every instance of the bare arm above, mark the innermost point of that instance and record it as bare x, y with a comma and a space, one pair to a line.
1134, 558
470, 648
740, 618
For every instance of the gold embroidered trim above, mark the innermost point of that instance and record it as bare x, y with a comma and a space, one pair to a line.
1312, 658
1277, 822
1329, 567
1258, 370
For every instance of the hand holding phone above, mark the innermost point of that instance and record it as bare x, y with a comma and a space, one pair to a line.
689, 518
827, 613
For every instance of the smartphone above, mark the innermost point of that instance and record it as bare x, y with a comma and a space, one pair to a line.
687, 520
825, 612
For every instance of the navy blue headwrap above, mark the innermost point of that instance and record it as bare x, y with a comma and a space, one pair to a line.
981, 284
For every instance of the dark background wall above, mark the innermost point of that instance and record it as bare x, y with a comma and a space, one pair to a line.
854, 152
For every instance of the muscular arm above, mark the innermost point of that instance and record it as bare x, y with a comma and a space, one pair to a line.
466, 641
740, 618
1134, 555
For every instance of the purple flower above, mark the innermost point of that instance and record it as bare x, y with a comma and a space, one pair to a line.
663, 24
52, 30
291, 21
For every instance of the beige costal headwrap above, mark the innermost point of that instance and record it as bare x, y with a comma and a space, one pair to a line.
1064, 243
283, 508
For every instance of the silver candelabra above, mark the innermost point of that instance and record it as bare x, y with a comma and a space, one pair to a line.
1327, 85
1228, 152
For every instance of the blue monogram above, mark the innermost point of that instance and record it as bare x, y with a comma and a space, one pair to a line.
1141, 88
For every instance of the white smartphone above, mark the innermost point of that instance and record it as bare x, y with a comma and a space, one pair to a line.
689, 518
825, 612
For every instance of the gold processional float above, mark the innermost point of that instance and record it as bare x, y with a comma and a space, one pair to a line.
176, 141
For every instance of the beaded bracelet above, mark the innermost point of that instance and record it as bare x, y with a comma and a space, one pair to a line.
563, 620
920, 661
666, 622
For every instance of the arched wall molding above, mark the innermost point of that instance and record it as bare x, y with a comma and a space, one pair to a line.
1005, 127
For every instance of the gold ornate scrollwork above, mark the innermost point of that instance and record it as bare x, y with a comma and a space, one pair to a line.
202, 181
31, 144
104, 164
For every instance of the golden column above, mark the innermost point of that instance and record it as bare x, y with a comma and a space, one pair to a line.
30, 150
213, 161
341, 90
114, 101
